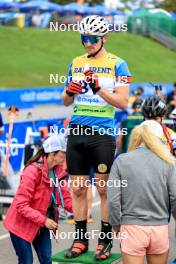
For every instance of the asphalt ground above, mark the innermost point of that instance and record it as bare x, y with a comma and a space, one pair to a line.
7, 254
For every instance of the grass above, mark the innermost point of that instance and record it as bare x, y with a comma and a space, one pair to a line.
29, 55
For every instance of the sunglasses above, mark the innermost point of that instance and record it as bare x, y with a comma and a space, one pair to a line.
91, 39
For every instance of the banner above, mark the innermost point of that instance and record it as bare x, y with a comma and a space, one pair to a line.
19, 139
29, 97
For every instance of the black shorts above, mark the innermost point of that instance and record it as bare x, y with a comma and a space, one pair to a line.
86, 151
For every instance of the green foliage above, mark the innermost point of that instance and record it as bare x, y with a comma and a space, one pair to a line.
169, 5
29, 55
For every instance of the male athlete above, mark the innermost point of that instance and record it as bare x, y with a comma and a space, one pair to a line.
97, 83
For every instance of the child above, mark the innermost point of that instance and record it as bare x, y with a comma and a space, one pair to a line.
34, 211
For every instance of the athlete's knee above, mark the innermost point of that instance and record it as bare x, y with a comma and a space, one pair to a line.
80, 191
102, 190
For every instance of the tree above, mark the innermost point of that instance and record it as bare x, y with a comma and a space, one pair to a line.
169, 5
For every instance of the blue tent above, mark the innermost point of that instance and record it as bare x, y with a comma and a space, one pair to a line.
102, 11
74, 8
4, 5
5, 17
41, 6
173, 15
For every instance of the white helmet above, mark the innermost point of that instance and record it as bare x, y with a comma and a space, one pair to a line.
93, 25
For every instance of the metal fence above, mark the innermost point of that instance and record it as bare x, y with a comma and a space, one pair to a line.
165, 39
154, 28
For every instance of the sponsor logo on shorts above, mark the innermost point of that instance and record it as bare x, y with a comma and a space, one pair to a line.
102, 168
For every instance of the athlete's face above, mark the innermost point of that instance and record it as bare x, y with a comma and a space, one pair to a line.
92, 48
93, 43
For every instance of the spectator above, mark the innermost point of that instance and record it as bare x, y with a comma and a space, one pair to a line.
140, 91
1, 132
172, 95
132, 120
154, 108
1, 125
171, 99
136, 94
158, 92
142, 206
33, 211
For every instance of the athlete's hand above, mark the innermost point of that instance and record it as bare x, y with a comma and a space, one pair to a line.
74, 88
50, 224
92, 79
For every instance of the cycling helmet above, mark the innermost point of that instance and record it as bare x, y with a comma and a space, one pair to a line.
93, 25
154, 106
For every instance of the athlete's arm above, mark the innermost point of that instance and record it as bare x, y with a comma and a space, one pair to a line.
120, 139
120, 96
66, 99
118, 99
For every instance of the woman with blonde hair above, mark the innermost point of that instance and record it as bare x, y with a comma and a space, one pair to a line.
142, 208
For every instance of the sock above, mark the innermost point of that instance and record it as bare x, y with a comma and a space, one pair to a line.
81, 229
106, 232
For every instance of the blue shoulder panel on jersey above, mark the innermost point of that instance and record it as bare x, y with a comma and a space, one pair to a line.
69, 75
121, 69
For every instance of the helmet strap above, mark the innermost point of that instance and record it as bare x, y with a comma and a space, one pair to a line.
94, 54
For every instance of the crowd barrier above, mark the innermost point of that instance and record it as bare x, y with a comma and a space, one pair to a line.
30, 97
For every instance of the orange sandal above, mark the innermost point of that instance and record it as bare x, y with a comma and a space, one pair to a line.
103, 251
77, 249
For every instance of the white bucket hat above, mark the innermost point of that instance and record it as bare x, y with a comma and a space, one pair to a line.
154, 127
55, 143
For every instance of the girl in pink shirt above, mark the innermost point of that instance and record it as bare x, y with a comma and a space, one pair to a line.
34, 210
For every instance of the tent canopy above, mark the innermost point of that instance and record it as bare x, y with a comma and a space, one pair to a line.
41, 6
4, 5
90, 10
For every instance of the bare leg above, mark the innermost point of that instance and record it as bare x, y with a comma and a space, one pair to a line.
129, 259
155, 259
89, 199
101, 180
79, 185
79, 197
104, 244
